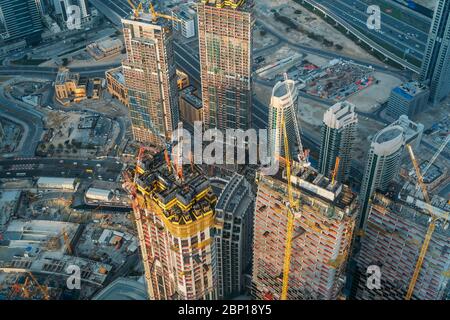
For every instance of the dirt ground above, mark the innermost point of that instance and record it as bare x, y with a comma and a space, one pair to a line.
369, 99
311, 23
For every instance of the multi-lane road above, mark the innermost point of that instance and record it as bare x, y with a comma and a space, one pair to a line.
105, 169
406, 37
31, 120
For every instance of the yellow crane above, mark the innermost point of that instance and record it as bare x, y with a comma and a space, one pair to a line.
67, 241
156, 15
292, 206
431, 227
336, 169
43, 289
136, 9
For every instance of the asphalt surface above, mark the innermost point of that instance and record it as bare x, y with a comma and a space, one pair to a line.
32, 120
393, 31
105, 169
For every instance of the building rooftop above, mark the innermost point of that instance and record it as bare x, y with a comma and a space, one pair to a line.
310, 183
38, 246
64, 75
147, 18
281, 89
409, 90
388, 135
403, 202
340, 115
26, 239
117, 74
188, 95
183, 201
243, 5
8, 203
108, 43
410, 128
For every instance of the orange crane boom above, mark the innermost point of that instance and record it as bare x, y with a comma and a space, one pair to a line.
336, 169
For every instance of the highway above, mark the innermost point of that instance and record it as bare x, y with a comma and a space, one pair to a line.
405, 37
105, 169
29, 118
361, 34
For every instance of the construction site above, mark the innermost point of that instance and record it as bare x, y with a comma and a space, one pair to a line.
29, 248
396, 230
336, 81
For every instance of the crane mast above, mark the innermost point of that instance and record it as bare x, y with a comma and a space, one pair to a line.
291, 217
431, 227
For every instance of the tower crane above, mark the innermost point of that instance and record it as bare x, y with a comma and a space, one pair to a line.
336, 169
431, 227
291, 216
436, 155
43, 289
67, 241
156, 15
136, 9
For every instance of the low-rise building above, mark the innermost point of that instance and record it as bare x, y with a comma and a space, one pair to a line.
70, 87
97, 194
9, 202
182, 79
105, 48
191, 107
409, 99
57, 183
186, 20
115, 82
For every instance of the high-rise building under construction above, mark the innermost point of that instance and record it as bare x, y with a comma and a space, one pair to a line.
150, 77
337, 138
175, 219
225, 45
323, 231
396, 227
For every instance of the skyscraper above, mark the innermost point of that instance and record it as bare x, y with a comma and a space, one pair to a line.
436, 62
337, 138
225, 45
323, 231
382, 166
396, 228
175, 219
21, 20
284, 103
234, 210
150, 77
